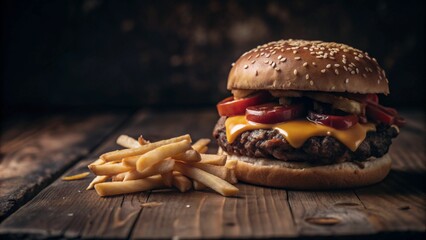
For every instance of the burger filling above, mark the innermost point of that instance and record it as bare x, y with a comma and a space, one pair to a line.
320, 128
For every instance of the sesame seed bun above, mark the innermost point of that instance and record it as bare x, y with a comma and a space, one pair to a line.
298, 175
308, 66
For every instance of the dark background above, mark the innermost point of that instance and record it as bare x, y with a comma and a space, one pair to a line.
120, 54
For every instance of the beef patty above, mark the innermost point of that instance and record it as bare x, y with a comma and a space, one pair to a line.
269, 143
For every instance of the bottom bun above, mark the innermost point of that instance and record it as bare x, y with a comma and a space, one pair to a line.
273, 173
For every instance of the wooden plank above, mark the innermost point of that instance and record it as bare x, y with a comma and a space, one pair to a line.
66, 209
328, 213
399, 202
35, 157
256, 212
80, 213
370, 210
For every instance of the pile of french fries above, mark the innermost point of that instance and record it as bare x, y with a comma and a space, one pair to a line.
173, 162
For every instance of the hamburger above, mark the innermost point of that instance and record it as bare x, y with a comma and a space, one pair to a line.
306, 115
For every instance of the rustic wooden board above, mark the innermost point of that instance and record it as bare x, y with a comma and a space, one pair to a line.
64, 209
256, 212
100, 217
40, 152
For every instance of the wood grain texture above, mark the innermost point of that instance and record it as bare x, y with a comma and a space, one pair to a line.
44, 150
255, 212
74, 212
394, 208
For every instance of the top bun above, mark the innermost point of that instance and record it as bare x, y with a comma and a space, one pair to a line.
308, 66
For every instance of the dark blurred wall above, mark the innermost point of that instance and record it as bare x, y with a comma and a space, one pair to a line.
178, 53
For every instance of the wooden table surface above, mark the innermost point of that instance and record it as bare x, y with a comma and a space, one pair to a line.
35, 203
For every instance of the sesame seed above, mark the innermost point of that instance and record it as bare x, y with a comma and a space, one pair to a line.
360, 55
305, 64
347, 80
337, 65
277, 69
333, 87
364, 75
344, 60
273, 64
267, 55
307, 77
232, 64
357, 70
252, 62
295, 51
336, 71
245, 66
249, 57
262, 53
332, 58
314, 63
266, 61
297, 58
323, 70
352, 72
311, 82
343, 56
279, 57
380, 77
257, 55
295, 72
328, 66
283, 59
378, 81
357, 58
318, 56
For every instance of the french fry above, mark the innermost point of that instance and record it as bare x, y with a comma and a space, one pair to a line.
167, 178
182, 183
96, 180
97, 162
203, 149
188, 156
119, 177
158, 168
127, 142
152, 157
213, 159
115, 188
76, 177
130, 161
142, 141
120, 154
198, 186
219, 185
109, 169
219, 171
200, 144
231, 163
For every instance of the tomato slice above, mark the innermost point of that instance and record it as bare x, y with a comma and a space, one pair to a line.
385, 115
363, 98
334, 121
231, 107
274, 113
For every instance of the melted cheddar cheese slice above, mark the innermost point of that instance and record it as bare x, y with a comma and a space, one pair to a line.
298, 131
